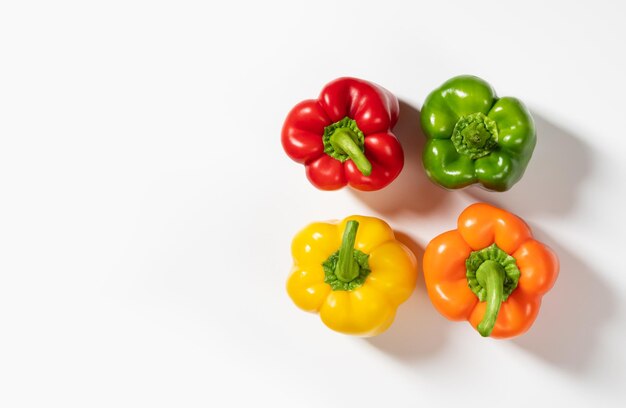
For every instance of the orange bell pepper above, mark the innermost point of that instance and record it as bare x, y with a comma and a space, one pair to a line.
489, 271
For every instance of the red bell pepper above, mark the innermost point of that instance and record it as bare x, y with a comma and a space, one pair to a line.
344, 136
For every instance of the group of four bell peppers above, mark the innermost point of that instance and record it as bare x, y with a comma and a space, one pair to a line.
489, 271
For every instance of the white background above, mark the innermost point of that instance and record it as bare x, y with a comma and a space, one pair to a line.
147, 207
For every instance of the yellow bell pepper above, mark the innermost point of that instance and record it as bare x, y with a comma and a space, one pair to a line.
354, 273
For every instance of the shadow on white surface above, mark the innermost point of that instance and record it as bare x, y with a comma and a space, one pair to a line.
560, 163
418, 330
412, 190
572, 316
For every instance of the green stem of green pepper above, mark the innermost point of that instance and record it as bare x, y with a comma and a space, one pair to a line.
475, 135
347, 268
490, 275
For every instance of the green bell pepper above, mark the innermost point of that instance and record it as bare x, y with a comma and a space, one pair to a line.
474, 136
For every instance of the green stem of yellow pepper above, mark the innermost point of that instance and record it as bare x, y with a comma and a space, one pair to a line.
347, 267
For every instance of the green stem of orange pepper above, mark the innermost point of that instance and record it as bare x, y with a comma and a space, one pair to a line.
490, 275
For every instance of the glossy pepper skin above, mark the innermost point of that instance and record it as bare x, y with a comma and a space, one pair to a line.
344, 136
475, 137
354, 273
517, 264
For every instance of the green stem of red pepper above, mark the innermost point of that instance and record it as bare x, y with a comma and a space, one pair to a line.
343, 140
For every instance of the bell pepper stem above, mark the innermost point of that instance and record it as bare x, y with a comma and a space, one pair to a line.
475, 135
347, 267
490, 275
343, 140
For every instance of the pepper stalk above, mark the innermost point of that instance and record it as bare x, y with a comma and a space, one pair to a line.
344, 140
492, 275
347, 268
